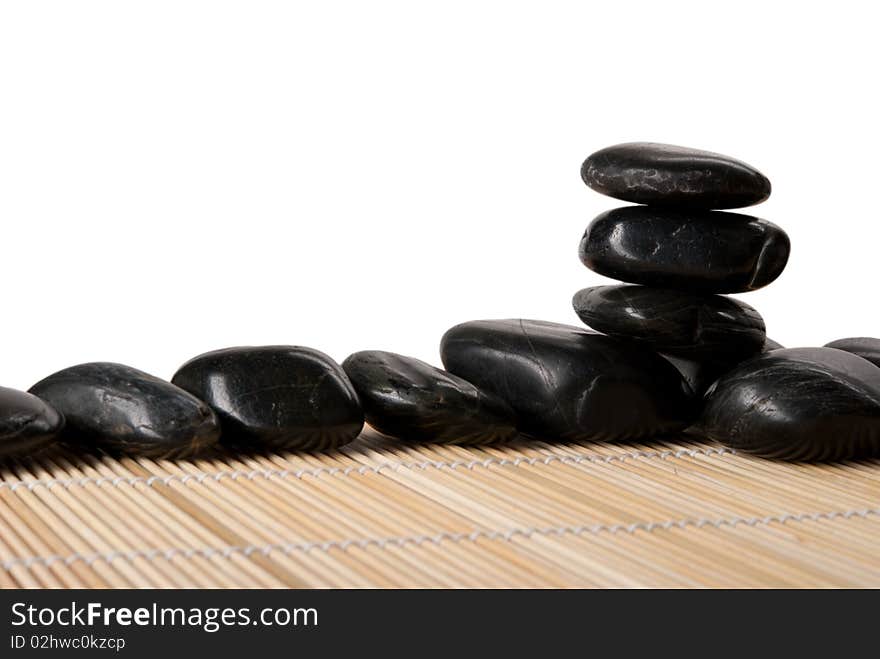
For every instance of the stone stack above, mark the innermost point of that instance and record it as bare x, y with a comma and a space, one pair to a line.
679, 254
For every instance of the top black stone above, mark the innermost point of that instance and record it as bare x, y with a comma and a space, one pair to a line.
674, 176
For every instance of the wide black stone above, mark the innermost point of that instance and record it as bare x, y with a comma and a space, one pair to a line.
27, 423
124, 410
567, 383
677, 322
702, 372
863, 346
674, 176
278, 397
702, 251
408, 399
798, 404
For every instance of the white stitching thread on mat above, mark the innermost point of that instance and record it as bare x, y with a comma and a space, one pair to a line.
576, 458
400, 541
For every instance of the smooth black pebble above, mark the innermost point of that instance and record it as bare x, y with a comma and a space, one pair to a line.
410, 400
27, 423
277, 397
124, 410
798, 404
567, 383
701, 251
674, 176
677, 322
863, 346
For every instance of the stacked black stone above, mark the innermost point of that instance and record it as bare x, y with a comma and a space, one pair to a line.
683, 253
665, 337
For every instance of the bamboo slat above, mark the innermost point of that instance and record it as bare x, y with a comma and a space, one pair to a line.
381, 514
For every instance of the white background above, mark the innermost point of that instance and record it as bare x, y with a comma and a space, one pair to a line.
180, 176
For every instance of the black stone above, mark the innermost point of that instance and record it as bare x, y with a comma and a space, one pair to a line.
798, 404
27, 424
410, 400
277, 397
124, 410
677, 322
702, 372
674, 176
567, 383
863, 346
701, 251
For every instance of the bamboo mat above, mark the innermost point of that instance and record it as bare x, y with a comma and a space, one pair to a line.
380, 515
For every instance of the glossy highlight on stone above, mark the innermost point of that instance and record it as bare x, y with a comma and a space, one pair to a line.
413, 401
674, 176
677, 322
863, 346
566, 383
798, 404
278, 397
124, 410
701, 251
27, 424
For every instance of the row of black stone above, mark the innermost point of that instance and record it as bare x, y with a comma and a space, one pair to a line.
296, 398
503, 377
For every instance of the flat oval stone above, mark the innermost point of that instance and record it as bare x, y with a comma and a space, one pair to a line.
703, 371
124, 410
798, 404
27, 424
278, 397
674, 176
702, 251
863, 346
413, 401
677, 322
566, 383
